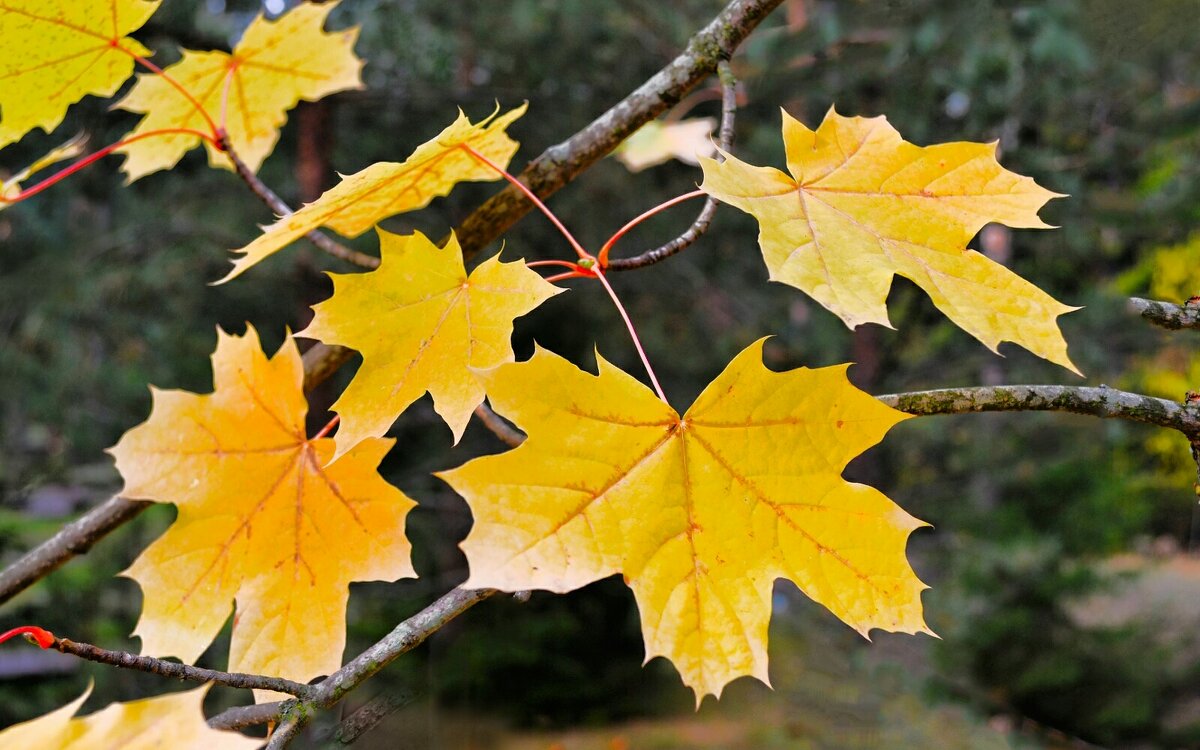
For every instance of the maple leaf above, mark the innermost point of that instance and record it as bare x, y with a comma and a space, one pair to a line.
365, 198
657, 142
861, 205
275, 65
262, 519
700, 513
429, 323
56, 53
175, 720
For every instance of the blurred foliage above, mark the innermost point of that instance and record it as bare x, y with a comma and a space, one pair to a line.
103, 290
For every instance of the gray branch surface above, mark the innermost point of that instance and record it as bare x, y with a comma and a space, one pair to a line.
292, 715
1097, 402
178, 671
1167, 314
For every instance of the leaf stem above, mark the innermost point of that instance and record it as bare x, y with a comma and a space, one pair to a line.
212, 126
327, 428
602, 256
584, 254
637, 344
42, 637
92, 158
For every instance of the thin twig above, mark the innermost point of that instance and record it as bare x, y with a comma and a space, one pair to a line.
511, 436
294, 714
1098, 402
704, 220
76, 538
1167, 314
281, 209
178, 671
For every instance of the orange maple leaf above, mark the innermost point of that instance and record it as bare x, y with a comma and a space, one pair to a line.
262, 519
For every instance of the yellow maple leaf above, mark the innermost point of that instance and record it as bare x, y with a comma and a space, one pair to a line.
175, 720
275, 65
365, 198
700, 513
861, 205
262, 518
56, 53
429, 323
657, 142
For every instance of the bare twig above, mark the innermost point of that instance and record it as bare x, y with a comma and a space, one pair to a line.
1167, 314
546, 174
511, 436
1098, 402
294, 714
367, 717
178, 671
281, 209
702, 222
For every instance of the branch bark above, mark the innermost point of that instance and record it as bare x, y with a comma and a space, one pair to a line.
1101, 401
178, 671
293, 715
1167, 314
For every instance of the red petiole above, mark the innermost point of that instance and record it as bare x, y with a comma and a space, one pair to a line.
42, 637
328, 428
602, 256
588, 265
91, 158
212, 126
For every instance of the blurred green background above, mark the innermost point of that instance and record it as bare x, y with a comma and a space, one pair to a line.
1065, 588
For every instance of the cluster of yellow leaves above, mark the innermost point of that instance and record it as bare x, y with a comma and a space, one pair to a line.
265, 518
700, 513
174, 721
431, 324
362, 200
861, 204
274, 66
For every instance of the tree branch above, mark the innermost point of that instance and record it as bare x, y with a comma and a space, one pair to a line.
1102, 401
76, 538
546, 174
281, 209
178, 671
702, 222
1167, 314
558, 165
294, 714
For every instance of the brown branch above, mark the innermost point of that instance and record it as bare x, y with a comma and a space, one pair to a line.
511, 436
178, 671
1101, 401
704, 220
76, 538
553, 169
1167, 314
281, 209
294, 714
